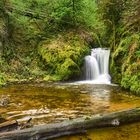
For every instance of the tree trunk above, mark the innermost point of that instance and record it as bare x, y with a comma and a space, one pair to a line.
80, 125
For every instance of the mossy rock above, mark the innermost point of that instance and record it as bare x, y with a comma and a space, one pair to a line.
125, 63
63, 56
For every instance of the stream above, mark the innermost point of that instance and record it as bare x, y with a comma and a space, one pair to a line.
56, 102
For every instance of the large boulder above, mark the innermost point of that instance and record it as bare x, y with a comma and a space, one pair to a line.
63, 55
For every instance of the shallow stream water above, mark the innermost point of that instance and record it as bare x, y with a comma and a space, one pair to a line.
56, 102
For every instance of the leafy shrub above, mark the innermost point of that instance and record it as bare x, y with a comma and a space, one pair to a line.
2, 79
125, 65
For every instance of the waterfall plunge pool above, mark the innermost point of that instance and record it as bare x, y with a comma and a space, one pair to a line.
56, 102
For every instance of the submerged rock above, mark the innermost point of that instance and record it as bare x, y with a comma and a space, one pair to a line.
4, 100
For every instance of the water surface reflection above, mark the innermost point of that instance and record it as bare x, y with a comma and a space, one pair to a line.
55, 102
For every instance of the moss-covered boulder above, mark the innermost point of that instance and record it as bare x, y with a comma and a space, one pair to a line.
63, 55
125, 63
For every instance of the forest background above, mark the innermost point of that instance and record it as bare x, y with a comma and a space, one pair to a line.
48, 40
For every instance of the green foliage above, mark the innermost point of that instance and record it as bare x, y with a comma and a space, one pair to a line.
125, 66
131, 78
137, 53
122, 22
130, 17
2, 79
57, 14
121, 19
111, 11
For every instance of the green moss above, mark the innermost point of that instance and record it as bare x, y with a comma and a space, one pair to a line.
131, 78
117, 60
64, 55
2, 79
52, 78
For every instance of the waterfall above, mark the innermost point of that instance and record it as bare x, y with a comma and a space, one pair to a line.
97, 66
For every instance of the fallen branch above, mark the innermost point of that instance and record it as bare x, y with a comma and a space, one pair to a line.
2, 119
74, 126
8, 125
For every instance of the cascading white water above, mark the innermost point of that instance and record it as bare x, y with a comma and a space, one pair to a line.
97, 66
90, 65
